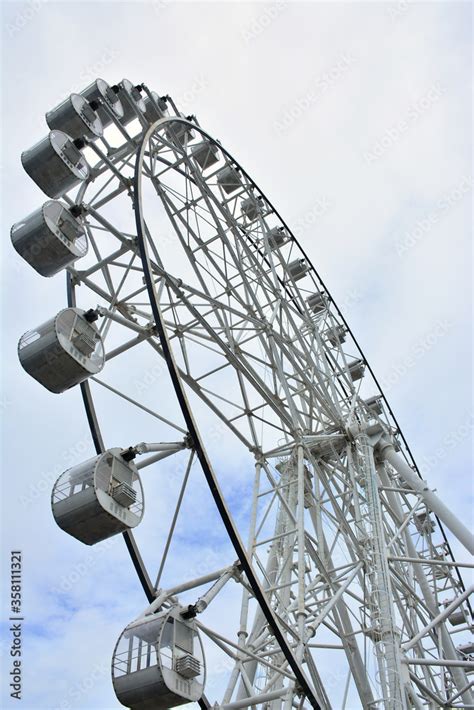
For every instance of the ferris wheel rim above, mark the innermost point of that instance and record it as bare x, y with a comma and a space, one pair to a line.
85, 387
408, 454
167, 297
194, 432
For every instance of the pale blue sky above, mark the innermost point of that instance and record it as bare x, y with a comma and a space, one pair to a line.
364, 108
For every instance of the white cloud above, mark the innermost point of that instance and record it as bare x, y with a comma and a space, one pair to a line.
238, 88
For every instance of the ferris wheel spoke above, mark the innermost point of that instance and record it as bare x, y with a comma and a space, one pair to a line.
251, 374
94, 199
218, 224
175, 518
138, 405
344, 554
108, 260
114, 305
104, 268
197, 389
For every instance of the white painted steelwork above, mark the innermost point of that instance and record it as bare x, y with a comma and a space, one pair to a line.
345, 571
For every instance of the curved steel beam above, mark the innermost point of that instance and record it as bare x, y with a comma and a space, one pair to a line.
341, 316
100, 448
196, 436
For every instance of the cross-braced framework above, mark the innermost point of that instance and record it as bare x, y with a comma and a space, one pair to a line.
351, 596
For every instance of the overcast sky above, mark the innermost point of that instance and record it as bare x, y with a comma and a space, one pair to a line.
355, 119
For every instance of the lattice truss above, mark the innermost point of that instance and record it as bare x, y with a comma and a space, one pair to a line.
350, 595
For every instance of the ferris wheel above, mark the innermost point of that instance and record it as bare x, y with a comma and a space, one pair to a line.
174, 255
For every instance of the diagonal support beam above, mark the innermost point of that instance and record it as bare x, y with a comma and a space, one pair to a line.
387, 452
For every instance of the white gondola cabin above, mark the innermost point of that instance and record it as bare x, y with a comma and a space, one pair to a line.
336, 335
277, 237
158, 662
465, 650
298, 269
55, 164
253, 207
49, 239
424, 523
229, 179
98, 498
64, 351
457, 618
316, 303
356, 369
76, 117
374, 404
155, 108
99, 92
205, 154
131, 99
179, 133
